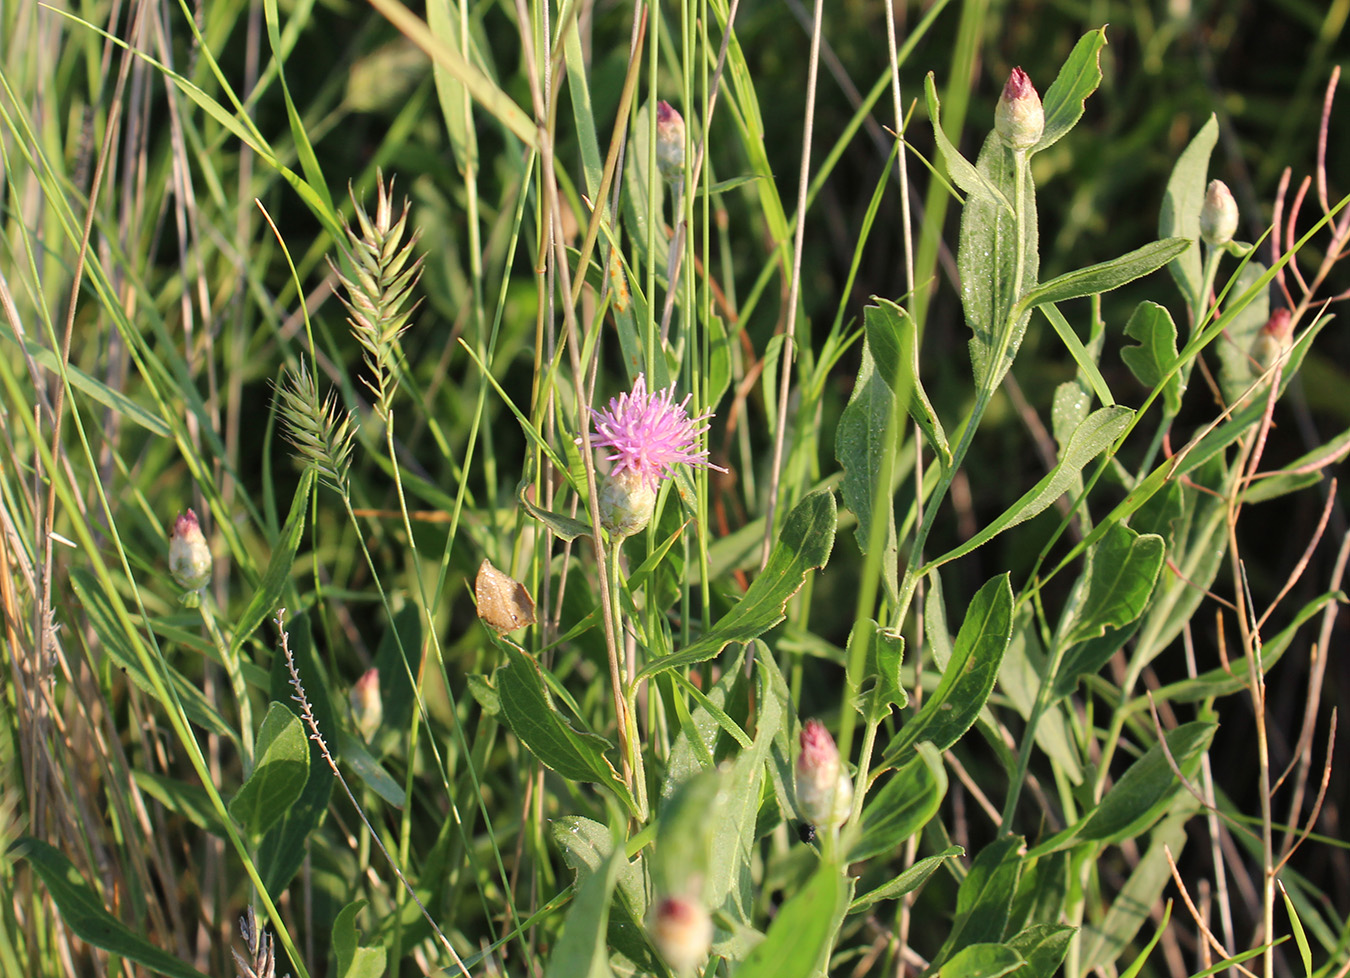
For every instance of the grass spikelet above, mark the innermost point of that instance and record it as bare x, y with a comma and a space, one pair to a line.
384, 271
319, 430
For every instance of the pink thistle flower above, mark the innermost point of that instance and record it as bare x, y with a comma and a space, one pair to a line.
649, 433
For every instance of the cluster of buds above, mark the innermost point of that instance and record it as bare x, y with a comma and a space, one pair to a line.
824, 790
1019, 118
682, 931
189, 557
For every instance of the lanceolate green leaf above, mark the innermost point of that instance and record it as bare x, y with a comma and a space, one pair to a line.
911, 879
1181, 205
970, 673
805, 544
1096, 433
800, 935
982, 961
985, 896
904, 805
1078, 79
893, 338
82, 910
863, 450
352, 959
531, 715
987, 258
1121, 570
282, 768
582, 951
1107, 275
266, 599
1143, 792
965, 176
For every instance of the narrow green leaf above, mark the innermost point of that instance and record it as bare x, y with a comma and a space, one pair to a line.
484, 91
982, 961
1151, 361
867, 457
1104, 942
1077, 79
368, 769
266, 599
115, 401
1043, 947
280, 771
805, 544
1020, 676
1142, 794
1180, 215
563, 527
586, 847
1107, 275
529, 712
82, 910
987, 254
904, 805
800, 936
908, 881
351, 958
582, 950
1224, 682
1094, 436
1087, 363
894, 342
963, 174
985, 896
456, 109
1142, 957
1300, 938
969, 676
1122, 568
304, 149
188, 800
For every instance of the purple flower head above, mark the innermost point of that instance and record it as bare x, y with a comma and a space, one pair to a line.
649, 433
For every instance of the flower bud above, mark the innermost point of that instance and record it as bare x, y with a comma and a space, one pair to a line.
1019, 117
367, 706
1219, 215
189, 556
682, 931
669, 140
824, 791
627, 501
1272, 342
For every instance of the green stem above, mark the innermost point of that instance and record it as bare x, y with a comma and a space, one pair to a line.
230, 660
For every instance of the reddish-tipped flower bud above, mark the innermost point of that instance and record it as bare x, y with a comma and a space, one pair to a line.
1219, 215
824, 791
682, 931
1273, 342
367, 706
189, 556
669, 140
1019, 117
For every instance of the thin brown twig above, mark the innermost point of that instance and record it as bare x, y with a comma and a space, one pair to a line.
1205, 932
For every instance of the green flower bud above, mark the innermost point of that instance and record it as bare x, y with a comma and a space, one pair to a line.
627, 501
1272, 342
824, 790
1219, 215
1019, 117
367, 705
